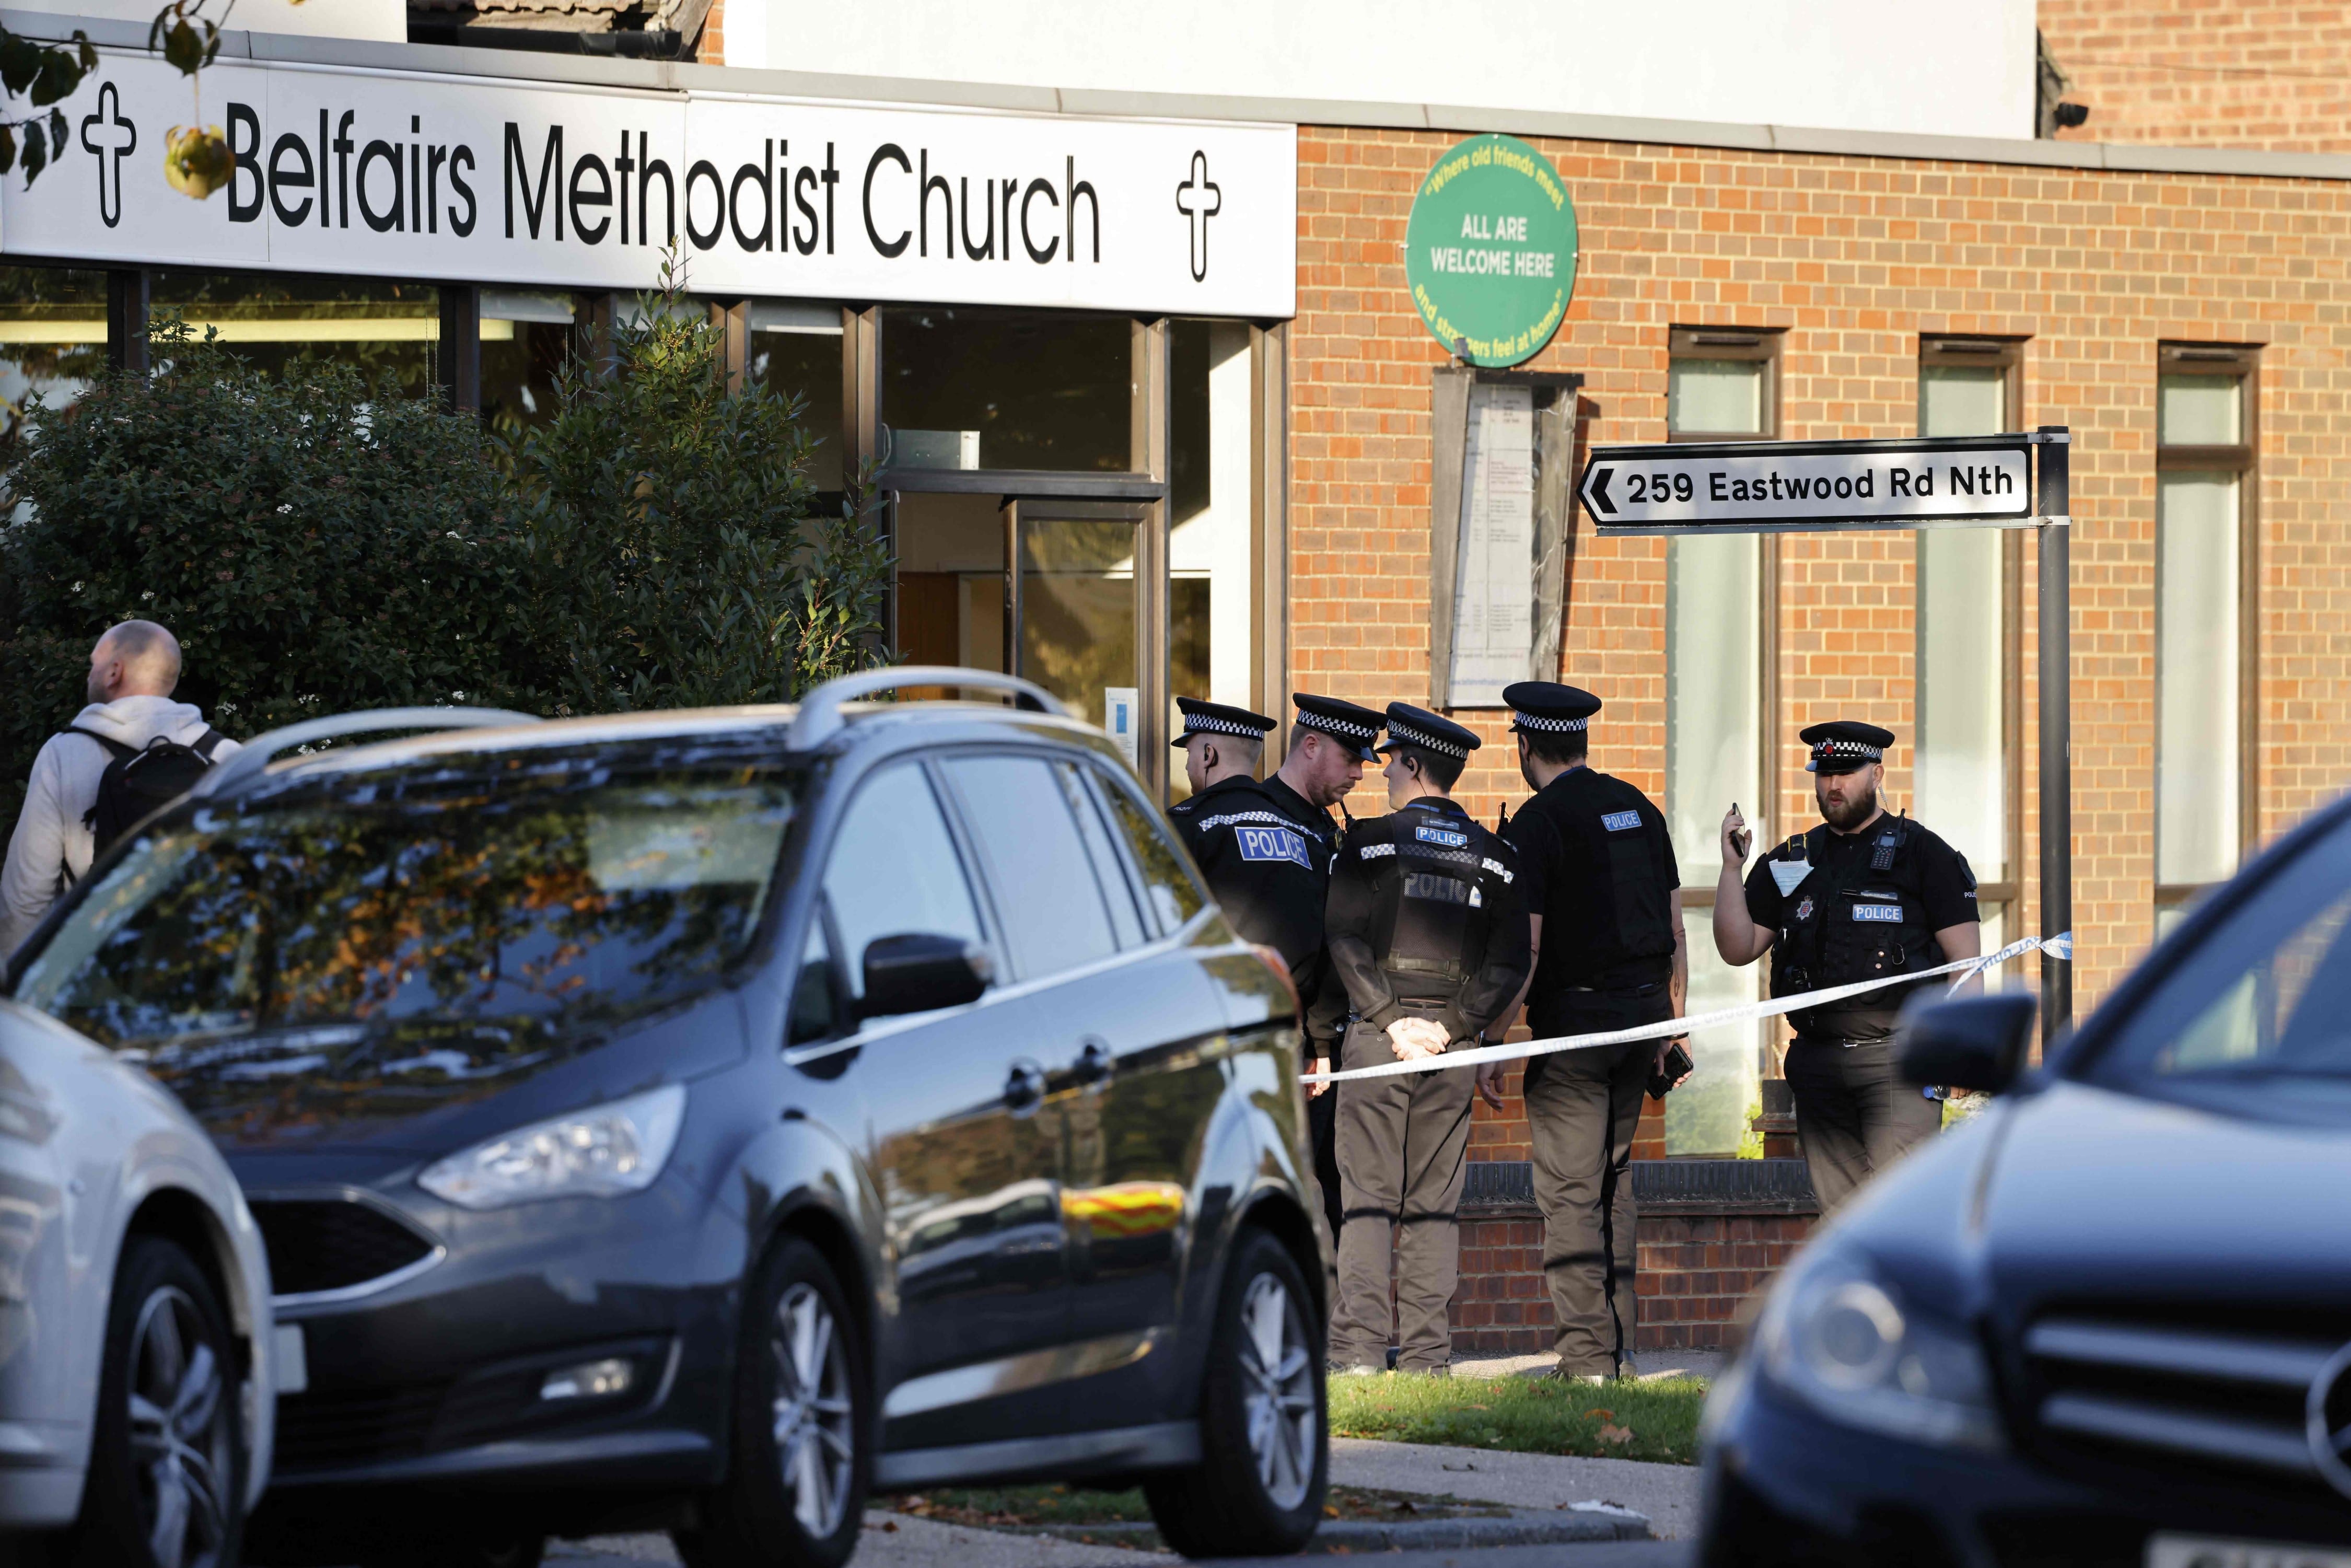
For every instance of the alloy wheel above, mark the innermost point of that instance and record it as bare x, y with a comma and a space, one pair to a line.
1277, 1373
816, 1438
180, 1442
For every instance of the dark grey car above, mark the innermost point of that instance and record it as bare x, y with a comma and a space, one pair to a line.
702, 1120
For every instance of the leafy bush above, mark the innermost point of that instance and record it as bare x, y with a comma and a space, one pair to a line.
674, 560
317, 543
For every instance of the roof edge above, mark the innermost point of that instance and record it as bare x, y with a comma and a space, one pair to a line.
665, 76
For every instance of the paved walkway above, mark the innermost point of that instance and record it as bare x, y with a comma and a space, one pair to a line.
1666, 1493
891, 1540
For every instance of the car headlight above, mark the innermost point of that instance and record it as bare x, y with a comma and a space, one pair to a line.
611, 1149
1841, 1338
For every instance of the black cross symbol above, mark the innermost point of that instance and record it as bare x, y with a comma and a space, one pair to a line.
1206, 203
120, 138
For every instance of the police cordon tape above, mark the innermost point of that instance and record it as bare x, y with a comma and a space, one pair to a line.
2059, 947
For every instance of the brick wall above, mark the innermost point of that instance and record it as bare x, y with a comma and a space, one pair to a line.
2205, 73
1854, 258
1700, 1266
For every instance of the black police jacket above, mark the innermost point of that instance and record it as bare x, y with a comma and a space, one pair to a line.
1267, 856
1424, 908
1596, 862
1859, 910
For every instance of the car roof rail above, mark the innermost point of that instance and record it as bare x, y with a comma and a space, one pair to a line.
820, 717
252, 755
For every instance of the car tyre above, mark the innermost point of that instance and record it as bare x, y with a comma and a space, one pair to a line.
1265, 1460
166, 1486
795, 1491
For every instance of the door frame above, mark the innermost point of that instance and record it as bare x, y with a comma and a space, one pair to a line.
1152, 599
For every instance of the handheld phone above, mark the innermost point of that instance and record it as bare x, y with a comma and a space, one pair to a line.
1740, 837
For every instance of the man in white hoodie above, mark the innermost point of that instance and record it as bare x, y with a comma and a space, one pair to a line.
132, 673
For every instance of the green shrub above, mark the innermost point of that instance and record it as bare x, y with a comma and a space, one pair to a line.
673, 558
317, 543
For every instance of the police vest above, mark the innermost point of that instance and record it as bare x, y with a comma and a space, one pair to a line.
1627, 927
1430, 873
1867, 922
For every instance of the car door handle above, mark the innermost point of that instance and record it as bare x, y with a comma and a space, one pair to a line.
1095, 1065
1024, 1086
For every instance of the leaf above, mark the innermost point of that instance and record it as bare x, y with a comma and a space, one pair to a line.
183, 47
36, 157
1617, 1435
8, 148
1600, 1415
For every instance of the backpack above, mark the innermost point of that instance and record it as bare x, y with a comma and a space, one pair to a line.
138, 783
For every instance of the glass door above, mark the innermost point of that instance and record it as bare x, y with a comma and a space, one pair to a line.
1078, 610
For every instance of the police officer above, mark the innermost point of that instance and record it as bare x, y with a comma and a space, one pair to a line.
1863, 897
1428, 936
1265, 847
1604, 905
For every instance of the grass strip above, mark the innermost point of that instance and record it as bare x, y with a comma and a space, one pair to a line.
1654, 1421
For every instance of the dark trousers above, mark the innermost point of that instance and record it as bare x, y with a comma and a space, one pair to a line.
1855, 1114
1583, 1109
1402, 1143
1322, 1132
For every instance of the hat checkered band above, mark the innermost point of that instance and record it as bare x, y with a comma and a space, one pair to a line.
1537, 721
1405, 734
1200, 724
1344, 728
1848, 749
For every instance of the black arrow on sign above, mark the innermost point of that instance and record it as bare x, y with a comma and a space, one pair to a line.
1595, 490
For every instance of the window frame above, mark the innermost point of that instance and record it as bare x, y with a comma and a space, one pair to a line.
2242, 458
2007, 354
1763, 345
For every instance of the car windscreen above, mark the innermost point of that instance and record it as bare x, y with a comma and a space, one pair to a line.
2253, 1014
495, 896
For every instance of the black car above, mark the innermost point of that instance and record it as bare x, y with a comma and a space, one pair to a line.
700, 1120
2109, 1321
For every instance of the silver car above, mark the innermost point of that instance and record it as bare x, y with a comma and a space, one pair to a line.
138, 1376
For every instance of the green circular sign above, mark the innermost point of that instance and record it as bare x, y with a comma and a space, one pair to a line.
1489, 252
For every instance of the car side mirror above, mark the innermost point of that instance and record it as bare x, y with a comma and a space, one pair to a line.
918, 971
1967, 1042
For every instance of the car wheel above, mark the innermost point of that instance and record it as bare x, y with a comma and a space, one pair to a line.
803, 1420
166, 1484
1258, 1488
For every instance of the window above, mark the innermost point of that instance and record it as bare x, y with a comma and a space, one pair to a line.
1167, 884
2205, 442
1046, 894
1110, 867
1006, 388
1721, 386
894, 870
1966, 656
1212, 642
2257, 1007
52, 340
814, 1010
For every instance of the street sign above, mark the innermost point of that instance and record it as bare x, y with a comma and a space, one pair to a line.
1775, 487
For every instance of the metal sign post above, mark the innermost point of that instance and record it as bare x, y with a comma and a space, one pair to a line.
1837, 486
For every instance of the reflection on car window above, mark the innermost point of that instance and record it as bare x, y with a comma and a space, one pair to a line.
1046, 892
552, 889
1174, 897
1108, 865
2266, 993
894, 869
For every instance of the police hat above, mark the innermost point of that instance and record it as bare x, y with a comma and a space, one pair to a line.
1218, 718
1547, 707
1416, 726
1843, 746
1341, 721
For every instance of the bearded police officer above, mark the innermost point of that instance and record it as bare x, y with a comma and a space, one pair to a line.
1428, 936
1265, 847
1863, 896
1604, 906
